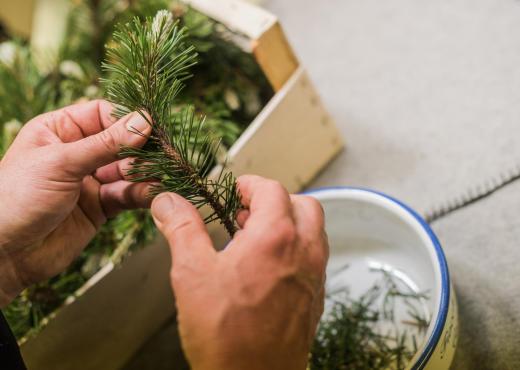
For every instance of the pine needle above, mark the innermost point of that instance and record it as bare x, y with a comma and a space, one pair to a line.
350, 335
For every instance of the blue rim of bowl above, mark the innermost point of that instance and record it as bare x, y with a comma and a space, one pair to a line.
441, 258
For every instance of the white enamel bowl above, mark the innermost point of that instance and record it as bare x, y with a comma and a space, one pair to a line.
368, 230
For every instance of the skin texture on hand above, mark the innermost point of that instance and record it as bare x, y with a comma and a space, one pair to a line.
59, 181
256, 304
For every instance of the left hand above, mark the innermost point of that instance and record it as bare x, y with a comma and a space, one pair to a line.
59, 182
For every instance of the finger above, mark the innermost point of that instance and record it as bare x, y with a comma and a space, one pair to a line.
122, 195
184, 229
261, 196
310, 225
114, 171
242, 217
77, 121
68, 124
309, 216
89, 202
270, 221
88, 154
91, 117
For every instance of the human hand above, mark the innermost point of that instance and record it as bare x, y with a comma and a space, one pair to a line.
256, 304
59, 181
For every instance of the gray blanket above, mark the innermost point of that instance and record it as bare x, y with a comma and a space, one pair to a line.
427, 94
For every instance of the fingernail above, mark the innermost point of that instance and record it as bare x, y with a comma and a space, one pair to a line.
162, 206
137, 124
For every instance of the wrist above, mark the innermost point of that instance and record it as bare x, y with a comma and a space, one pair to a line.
10, 284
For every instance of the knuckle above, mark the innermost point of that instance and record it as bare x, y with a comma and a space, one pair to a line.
129, 198
315, 205
58, 116
99, 105
99, 102
286, 232
107, 139
314, 208
274, 185
174, 228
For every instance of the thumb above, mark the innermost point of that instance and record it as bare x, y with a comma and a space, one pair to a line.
88, 154
181, 224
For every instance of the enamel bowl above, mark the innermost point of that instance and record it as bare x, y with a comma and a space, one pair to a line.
370, 231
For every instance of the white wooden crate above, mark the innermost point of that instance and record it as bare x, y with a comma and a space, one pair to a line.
291, 140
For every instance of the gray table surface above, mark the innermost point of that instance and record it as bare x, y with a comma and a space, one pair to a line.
427, 97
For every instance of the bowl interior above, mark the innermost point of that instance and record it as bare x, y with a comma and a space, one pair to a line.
372, 233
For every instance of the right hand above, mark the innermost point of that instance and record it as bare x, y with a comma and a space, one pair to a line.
59, 182
257, 303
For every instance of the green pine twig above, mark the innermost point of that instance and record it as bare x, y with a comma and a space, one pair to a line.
147, 67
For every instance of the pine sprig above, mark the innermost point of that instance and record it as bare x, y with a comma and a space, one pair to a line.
147, 67
370, 332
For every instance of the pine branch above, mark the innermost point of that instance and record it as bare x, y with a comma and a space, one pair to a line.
147, 67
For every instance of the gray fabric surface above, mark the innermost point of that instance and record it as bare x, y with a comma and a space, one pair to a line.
426, 93
482, 245
427, 96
